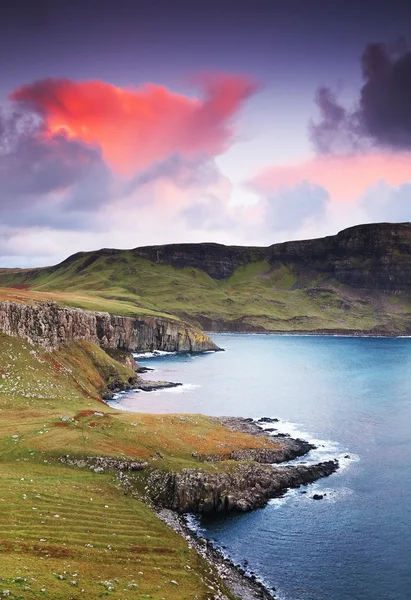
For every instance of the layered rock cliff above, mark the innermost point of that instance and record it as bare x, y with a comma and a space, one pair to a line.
357, 282
50, 325
375, 256
245, 487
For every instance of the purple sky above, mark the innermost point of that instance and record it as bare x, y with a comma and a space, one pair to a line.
125, 123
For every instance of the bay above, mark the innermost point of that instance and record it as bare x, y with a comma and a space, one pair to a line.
353, 397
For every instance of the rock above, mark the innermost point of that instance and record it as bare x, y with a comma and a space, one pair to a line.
243, 488
318, 496
100, 463
151, 386
267, 420
50, 325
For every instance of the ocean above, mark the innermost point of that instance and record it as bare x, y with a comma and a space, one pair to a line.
352, 397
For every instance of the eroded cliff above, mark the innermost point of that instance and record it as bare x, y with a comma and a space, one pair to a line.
50, 325
243, 488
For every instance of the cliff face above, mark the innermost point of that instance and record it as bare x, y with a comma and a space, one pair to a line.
370, 257
356, 282
244, 488
50, 325
216, 260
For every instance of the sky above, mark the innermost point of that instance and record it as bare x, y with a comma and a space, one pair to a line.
126, 123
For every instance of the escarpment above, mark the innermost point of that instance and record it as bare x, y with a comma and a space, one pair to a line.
374, 256
243, 488
50, 325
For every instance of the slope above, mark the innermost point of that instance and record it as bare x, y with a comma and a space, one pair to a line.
356, 281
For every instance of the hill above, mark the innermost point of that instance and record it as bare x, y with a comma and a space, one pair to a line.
358, 281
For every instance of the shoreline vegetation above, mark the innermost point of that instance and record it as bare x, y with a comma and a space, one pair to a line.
65, 455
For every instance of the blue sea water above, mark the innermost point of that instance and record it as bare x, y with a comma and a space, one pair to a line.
353, 396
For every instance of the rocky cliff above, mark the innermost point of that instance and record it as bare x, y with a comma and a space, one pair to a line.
245, 487
373, 256
357, 282
50, 325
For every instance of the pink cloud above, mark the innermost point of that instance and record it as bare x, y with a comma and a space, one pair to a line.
346, 178
137, 127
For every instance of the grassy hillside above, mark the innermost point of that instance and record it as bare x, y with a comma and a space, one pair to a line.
259, 296
64, 529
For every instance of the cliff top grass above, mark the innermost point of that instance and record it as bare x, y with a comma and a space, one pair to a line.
258, 296
64, 529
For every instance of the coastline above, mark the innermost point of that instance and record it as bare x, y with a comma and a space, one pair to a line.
246, 586
355, 333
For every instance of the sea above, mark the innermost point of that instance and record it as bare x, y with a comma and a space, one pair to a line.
351, 396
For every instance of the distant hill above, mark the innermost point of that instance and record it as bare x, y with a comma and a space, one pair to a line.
356, 281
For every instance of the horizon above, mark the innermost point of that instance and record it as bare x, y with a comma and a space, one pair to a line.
156, 123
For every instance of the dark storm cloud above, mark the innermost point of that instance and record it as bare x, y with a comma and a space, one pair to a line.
47, 179
382, 116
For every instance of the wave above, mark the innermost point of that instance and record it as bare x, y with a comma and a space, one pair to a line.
325, 449
153, 354
181, 389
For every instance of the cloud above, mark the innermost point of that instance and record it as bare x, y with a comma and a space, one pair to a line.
382, 202
185, 172
382, 115
209, 213
345, 178
45, 177
73, 153
136, 128
290, 208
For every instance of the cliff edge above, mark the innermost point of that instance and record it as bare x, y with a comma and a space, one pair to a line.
50, 325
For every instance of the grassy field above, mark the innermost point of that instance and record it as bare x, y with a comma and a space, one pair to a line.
67, 532
256, 297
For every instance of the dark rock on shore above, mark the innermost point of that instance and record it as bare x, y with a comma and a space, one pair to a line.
288, 449
151, 386
242, 488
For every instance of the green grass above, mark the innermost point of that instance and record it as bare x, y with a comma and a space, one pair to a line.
68, 533
109, 544
259, 296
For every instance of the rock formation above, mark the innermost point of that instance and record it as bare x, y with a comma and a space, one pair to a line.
376, 256
244, 487
50, 325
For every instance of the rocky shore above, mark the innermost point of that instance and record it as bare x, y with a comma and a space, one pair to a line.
241, 487
245, 482
240, 583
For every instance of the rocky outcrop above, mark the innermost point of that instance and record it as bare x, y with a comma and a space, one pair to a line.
242, 488
375, 256
217, 260
101, 464
50, 325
